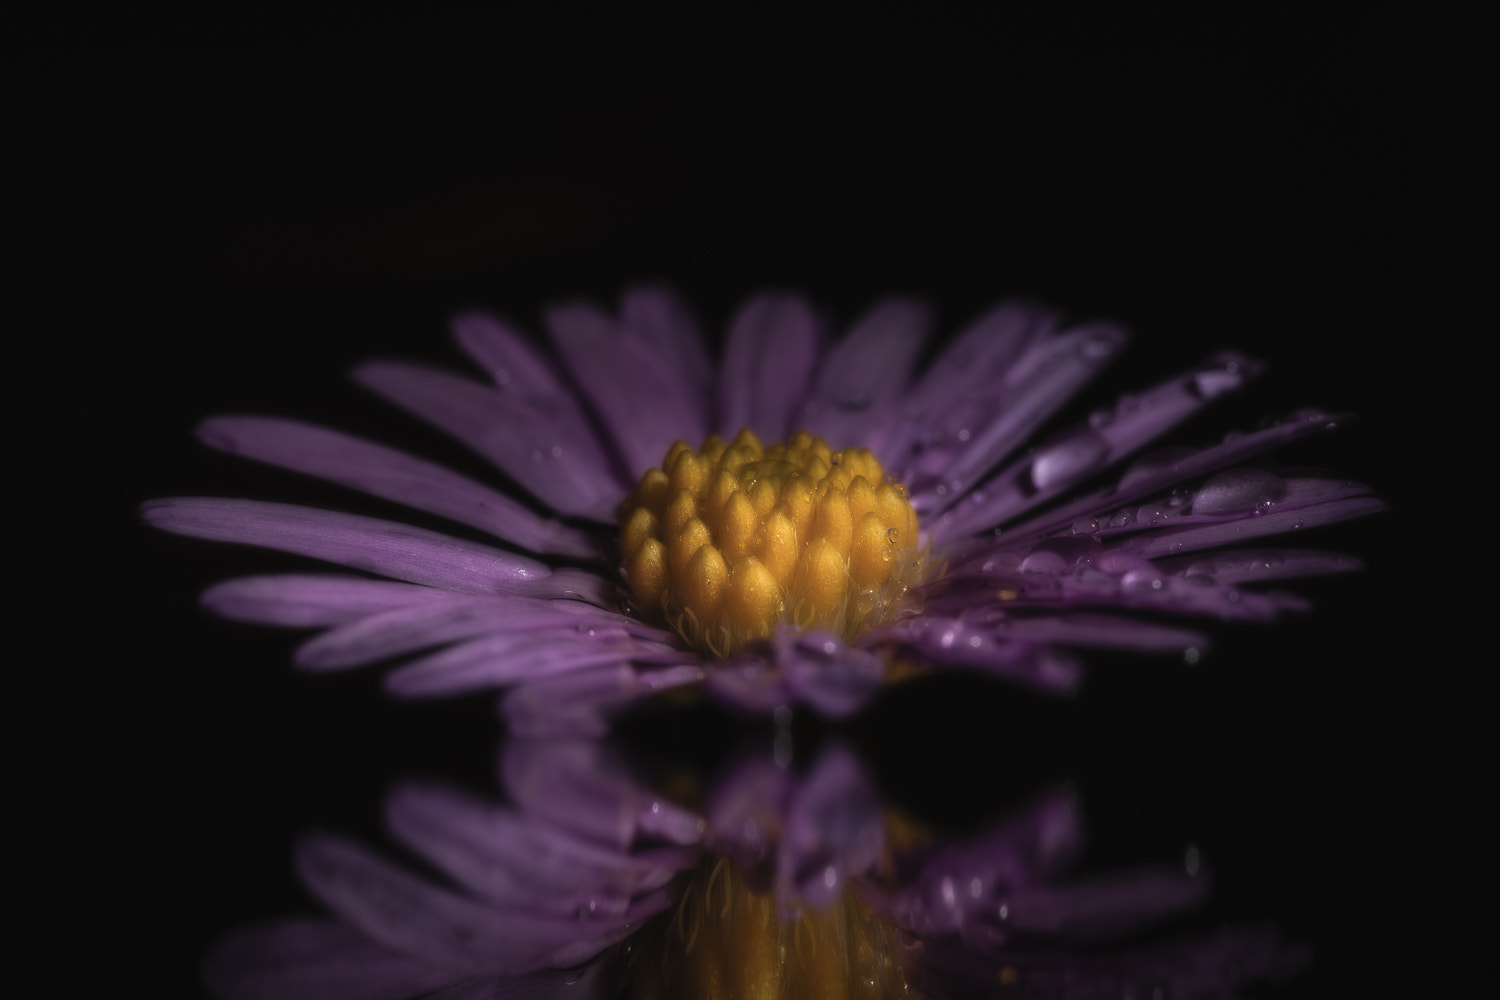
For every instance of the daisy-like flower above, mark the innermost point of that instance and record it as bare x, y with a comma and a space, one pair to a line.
799, 522
589, 884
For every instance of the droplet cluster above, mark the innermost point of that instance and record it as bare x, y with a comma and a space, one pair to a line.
726, 542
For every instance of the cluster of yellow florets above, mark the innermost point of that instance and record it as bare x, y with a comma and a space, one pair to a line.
725, 542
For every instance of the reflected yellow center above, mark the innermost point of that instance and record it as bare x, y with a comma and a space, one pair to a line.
724, 941
726, 542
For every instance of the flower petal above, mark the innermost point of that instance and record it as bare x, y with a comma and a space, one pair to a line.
666, 325
641, 406
393, 475
1041, 381
862, 376
312, 959
297, 600
545, 444
520, 861
406, 629
1106, 438
387, 548
410, 915
773, 347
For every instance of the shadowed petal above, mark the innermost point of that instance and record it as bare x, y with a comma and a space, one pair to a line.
312, 959
864, 373
546, 446
773, 347
641, 406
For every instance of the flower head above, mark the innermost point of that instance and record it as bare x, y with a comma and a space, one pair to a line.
801, 521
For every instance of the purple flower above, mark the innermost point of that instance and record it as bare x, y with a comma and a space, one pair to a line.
590, 884
855, 520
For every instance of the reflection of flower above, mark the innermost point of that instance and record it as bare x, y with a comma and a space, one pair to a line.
786, 574
592, 885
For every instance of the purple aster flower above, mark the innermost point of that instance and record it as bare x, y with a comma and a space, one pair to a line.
800, 521
589, 884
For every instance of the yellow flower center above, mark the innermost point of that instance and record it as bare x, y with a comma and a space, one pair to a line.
725, 941
726, 542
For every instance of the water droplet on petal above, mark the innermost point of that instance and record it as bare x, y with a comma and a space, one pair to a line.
1215, 382
1238, 491
1079, 453
1085, 526
1123, 517
1044, 561
1098, 347
1141, 580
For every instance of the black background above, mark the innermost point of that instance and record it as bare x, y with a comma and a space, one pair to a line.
224, 217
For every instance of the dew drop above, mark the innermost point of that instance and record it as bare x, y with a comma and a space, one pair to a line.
1238, 491
1043, 561
892, 534
1078, 454
1098, 347
1190, 655
1214, 382
1121, 518
1141, 580
1085, 526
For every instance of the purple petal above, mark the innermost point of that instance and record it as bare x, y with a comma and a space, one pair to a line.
412, 916
544, 444
1107, 437
1104, 907
1177, 540
1258, 565
956, 643
582, 786
386, 548
773, 346
499, 660
312, 959
827, 675
523, 862
962, 881
666, 326
1151, 475
834, 828
962, 385
864, 373
578, 705
308, 600
640, 404
406, 629
393, 475
509, 357
1044, 378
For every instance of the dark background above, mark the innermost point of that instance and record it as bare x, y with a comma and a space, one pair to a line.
224, 217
